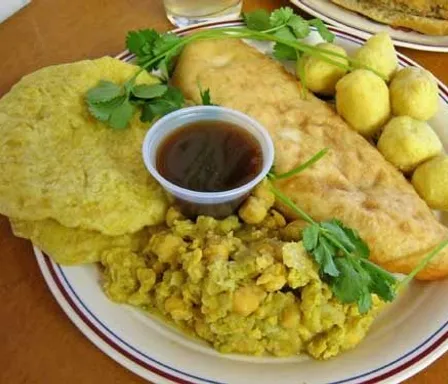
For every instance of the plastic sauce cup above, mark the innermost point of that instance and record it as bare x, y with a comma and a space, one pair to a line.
193, 203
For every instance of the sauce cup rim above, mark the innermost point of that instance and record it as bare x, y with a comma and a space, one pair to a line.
154, 138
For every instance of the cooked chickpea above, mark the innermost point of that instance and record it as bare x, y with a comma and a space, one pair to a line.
177, 308
293, 231
263, 192
247, 299
166, 246
273, 278
214, 252
290, 317
172, 215
253, 211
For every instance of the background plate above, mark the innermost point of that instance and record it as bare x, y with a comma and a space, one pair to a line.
410, 334
364, 27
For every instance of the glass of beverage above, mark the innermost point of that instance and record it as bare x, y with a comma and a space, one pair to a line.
187, 12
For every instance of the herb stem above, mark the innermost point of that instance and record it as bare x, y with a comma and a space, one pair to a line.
423, 263
288, 202
335, 242
303, 166
379, 269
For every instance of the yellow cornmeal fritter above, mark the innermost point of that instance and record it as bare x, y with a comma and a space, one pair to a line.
58, 162
71, 246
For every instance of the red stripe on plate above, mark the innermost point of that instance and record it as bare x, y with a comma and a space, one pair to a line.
102, 336
110, 343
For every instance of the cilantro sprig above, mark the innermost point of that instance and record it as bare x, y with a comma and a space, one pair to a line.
115, 104
284, 24
343, 256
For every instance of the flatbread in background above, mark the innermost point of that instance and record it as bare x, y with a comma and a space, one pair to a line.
398, 16
69, 246
58, 162
353, 183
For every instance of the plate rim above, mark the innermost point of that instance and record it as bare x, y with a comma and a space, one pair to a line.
48, 268
303, 5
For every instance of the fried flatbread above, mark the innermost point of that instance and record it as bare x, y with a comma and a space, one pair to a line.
399, 16
58, 162
353, 183
70, 246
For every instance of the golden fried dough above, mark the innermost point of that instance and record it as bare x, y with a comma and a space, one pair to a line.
353, 182
58, 162
71, 246
415, 14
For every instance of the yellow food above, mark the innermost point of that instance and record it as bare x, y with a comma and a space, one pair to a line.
379, 54
243, 304
362, 99
407, 142
70, 246
58, 162
414, 92
256, 206
353, 182
425, 16
431, 182
320, 76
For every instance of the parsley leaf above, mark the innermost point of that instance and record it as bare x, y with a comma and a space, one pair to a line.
257, 20
311, 237
299, 26
335, 228
281, 16
145, 91
121, 115
171, 100
284, 52
102, 111
104, 91
140, 42
205, 97
324, 252
361, 247
348, 287
322, 29
165, 42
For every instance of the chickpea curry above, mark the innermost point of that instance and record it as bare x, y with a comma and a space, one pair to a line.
243, 284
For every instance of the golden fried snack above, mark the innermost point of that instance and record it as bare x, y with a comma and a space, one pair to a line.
69, 246
353, 182
58, 162
411, 15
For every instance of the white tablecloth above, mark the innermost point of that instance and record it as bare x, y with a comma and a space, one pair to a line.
9, 7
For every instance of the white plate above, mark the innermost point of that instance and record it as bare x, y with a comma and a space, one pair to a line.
364, 27
409, 335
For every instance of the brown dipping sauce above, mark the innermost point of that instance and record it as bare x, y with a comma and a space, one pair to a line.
210, 156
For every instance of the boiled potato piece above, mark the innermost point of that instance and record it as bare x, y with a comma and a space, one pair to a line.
362, 99
378, 53
321, 77
414, 92
407, 142
431, 182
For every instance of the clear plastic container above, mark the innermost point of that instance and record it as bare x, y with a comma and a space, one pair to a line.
193, 203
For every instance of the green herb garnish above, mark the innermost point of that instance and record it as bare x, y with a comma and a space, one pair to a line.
115, 104
343, 257
205, 95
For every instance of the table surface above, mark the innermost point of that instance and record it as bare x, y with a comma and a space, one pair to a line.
38, 343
